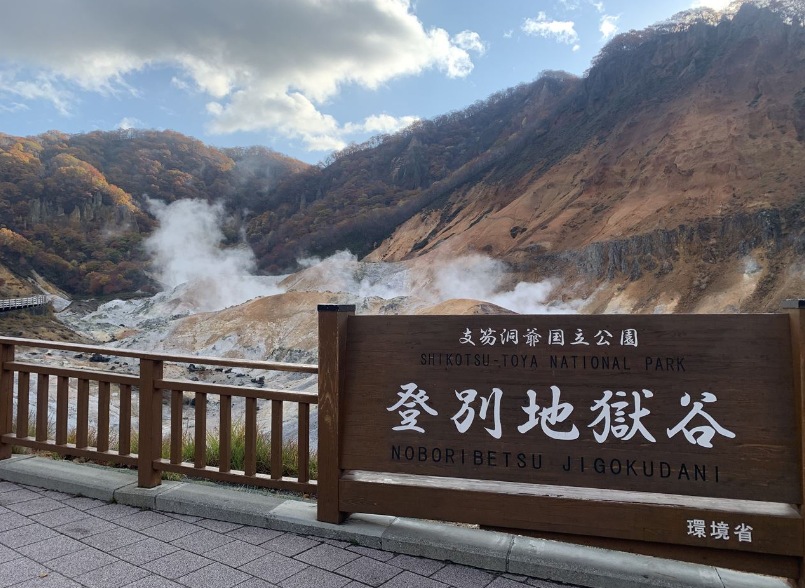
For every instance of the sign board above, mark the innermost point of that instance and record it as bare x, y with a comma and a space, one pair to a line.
691, 405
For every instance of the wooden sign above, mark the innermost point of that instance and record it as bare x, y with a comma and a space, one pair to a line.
692, 405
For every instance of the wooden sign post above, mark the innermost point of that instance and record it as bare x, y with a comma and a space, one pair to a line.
681, 433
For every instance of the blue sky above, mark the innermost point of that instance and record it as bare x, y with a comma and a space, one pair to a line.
303, 77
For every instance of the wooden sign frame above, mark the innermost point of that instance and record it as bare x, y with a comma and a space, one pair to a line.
674, 435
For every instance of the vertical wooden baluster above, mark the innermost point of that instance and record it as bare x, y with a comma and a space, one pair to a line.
225, 441
82, 414
250, 457
124, 426
42, 388
23, 399
176, 426
276, 439
104, 395
6, 396
201, 430
303, 442
62, 401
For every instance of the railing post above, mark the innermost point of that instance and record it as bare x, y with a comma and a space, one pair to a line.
796, 315
150, 434
6, 396
332, 354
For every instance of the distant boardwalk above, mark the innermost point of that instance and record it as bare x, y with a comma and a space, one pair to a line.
15, 303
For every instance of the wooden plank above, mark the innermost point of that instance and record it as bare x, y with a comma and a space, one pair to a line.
250, 442
124, 427
682, 394
225, 432
795, 309
42, 389
6, 395
104, 401
77, 373
240, 391
23, 403
303, 442
71, 449
276, 439
62, 407
82, 414
200, 445
333, 321
775, 529
150, 440
176, 426
237, 477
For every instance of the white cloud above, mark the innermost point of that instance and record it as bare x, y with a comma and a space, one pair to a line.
470, 41
265, 65
599, 6
560, 31
381, 123
608, 26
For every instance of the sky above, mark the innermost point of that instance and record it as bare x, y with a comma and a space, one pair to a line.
303, 77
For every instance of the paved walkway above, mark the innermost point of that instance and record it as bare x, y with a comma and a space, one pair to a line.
59, 527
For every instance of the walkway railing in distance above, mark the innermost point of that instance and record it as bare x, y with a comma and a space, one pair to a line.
27, 302
147, 386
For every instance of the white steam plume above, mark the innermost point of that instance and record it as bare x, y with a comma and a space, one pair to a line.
186, 250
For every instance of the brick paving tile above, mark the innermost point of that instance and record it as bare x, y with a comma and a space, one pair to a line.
51, 548
219, 526
7, 554
55, 494
463, 576
369, 571
154, 581
60, 516
20, 536
290, 544
215, 575
51, 580
373, 553
337, 543
144, 551
182, 517
236, 553
118, 573
170, 530
36, 506
85, 527
411, 580
18, 495
314, 578
501, 582
8, 486
273, 567
112, 539
256, 583
254, 535
515, 577
327, 557
419, 565
111, 512
142, 520
537, 583
202, 541
177, 564
18, 570
12, 520
80, 562
354, 584
82, 502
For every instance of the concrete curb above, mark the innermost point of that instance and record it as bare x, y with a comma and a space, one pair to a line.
538, 558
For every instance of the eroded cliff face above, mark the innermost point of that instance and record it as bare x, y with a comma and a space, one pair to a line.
685, 193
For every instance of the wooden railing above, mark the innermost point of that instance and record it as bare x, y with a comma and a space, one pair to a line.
27, 302
148, 384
